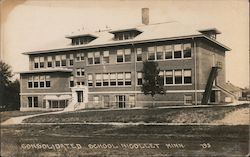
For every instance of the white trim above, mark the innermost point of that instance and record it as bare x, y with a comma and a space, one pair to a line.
44, 93
139, 92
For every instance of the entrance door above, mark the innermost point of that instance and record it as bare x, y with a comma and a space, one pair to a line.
121, 101
212, 96
79, 96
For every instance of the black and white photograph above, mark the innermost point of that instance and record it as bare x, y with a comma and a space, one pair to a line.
124, 78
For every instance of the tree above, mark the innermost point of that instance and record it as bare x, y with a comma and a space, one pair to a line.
152, 83
9, 91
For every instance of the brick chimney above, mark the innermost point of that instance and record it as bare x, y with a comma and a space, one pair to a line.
145, 16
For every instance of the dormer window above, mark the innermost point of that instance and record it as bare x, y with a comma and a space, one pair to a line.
81, 39
125, 34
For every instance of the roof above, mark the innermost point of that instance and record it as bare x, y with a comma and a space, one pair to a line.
80, 35
46, 71
230, 87
150, 33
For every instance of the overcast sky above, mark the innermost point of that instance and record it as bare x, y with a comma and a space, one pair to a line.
29, 24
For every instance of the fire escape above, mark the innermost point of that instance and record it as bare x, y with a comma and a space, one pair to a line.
209, 86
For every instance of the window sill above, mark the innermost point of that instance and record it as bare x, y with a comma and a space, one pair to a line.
189, 84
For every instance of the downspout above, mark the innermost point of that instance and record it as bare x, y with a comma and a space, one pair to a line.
133, 46
195, 72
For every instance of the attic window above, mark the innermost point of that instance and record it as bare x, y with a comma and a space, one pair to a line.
125, 34
81, 39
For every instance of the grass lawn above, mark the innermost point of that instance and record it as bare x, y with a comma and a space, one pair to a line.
222, 140
9, 114
168, 115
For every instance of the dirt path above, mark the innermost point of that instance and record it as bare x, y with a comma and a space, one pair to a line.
240, 116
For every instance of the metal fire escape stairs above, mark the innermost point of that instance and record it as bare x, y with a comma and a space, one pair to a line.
209, 86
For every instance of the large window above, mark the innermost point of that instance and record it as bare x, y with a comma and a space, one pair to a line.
47, 81
33, 101
63, 60
58, 62
105, 59
139, 54
139, 78
168, 52
128, 78
38, 81
71, 82
120, 78
42, 81
98, 80
90, 80
178, 76
187, 76
119, 56
105, 80
41, 60
161, 75
159, 53
151, 53
93, 58
177, 51
30, 82
169, 77
49, 62
71, 60
36, 62
80, 57
123, 55
113, 79
79, 72
187, 50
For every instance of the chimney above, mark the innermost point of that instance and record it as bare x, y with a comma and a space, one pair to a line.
145, 16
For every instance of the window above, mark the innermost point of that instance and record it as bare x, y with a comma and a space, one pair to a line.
97, 58
120, 79
188, 100
105, 59
63, 57
151, 53
36, 80
123, 55
36, 62
80, 57
90, 80
187, 50
159, 52
30, 82
113, 79
187, 76
127, 55
98, 80
169, 77
79, 72
33, 101
178, 76
177, 51
41, 60
42, 81
83, 83
139, 78
47, 81
49, 61
161, 74
168, 52
90, 58
128, 78
105, 80
30, 101
119, 56
78, 83
71, 82
139, 54
58, 62
71, 60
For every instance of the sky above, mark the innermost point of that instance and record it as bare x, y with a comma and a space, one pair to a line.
32, 24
